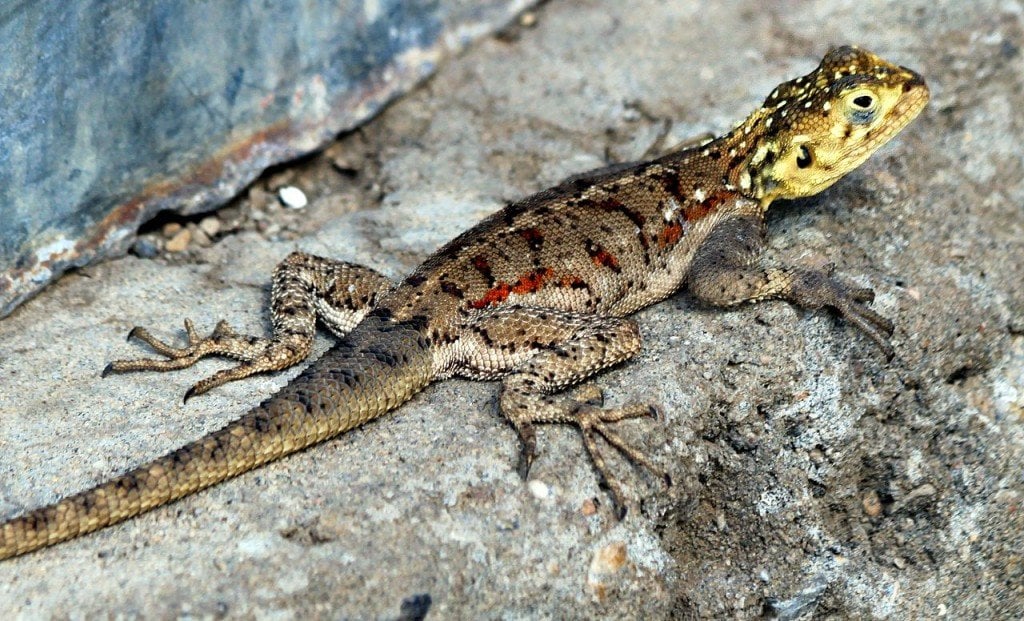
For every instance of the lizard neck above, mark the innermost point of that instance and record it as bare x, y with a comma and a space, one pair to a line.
748, 148
736, 156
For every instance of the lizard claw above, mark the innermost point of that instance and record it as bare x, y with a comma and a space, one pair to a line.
524, 465
528, 438
191, 392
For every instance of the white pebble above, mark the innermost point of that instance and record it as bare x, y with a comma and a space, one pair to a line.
539, 489
292, 197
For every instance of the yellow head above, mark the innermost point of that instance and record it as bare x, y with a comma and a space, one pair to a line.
816, 128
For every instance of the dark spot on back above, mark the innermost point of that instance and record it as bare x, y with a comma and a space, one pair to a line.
452, 289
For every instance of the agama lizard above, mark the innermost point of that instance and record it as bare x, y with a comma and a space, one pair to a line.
536, 295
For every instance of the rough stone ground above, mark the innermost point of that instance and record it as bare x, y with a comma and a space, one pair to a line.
813, 479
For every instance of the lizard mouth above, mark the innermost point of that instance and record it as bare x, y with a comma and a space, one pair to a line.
914, 98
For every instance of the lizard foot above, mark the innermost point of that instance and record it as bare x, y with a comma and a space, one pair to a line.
595, 421
257, 354
814, 289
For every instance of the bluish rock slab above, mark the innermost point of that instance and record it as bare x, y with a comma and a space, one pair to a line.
110, 112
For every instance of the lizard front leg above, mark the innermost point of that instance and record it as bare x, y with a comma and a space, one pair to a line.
541, 352
305, 287
729, 269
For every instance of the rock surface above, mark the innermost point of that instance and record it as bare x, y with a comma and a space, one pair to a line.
812, 478
110, 113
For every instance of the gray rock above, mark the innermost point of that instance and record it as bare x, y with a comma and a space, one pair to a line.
111, 114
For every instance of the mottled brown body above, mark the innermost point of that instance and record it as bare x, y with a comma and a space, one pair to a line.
536, 295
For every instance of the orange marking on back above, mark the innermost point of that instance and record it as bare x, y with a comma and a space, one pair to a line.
603, 258
527, 283
700, 210
670, 235
572, 282
494, 295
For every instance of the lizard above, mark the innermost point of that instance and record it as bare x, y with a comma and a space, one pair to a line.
537, 295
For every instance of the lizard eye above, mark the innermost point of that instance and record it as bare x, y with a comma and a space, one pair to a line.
861, 107
803, 157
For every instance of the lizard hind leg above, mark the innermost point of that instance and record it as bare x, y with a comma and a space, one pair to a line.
544, 352
305, 287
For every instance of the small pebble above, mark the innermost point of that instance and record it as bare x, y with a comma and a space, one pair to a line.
171, 229
609, 559
539, 489
872, 504
292, 197
200, 238
179, 242
210, 225
589, 507
146, 248
345, 164
528, 19
605, 563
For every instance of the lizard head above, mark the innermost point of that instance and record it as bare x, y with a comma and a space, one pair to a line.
815, 129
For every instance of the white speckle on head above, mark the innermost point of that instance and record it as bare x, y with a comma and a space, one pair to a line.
699, 195
706, 152
768, 122
781, 104
775, 93
838, 75
732, 152
827, 106
744, 179
759, 155
743, 144
783, 114
807, 105
730, 187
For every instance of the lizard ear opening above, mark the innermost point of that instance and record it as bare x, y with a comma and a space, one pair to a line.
803, 157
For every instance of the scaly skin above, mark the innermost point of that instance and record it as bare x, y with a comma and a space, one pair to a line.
536, 295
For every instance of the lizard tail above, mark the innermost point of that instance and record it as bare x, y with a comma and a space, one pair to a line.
377, 367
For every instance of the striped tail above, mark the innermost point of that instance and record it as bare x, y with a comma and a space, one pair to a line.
376, 368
